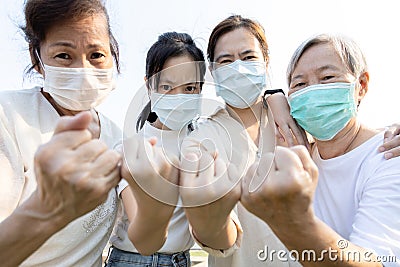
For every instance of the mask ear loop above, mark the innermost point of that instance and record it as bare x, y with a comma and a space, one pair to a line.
40, 61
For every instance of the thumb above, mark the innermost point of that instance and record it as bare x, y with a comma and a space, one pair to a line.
74, 123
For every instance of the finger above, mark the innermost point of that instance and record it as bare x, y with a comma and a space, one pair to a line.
307, 162
72, 123
207, 146
206, 169
245, 184
287, 135
298, 133
145, 149
153, 141
70, 139
265, 165
189, 168
226, 169
174, 171
89, 151
286, 159
391, 148
105, 163
389, 144
164, 165
131, 147
391, 132
111, 180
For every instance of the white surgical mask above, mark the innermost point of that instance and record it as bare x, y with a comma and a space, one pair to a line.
175, 111
241, 82
78, 88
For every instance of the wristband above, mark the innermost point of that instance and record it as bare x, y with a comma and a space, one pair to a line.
273, 91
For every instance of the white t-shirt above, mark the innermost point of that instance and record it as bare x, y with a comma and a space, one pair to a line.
28, 120
358, 195
234, 145
179, 237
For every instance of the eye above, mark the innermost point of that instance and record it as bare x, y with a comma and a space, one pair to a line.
63, 56
164, 87
298, 85
97, 55
328, 77
249, 58
224, 62
190, 88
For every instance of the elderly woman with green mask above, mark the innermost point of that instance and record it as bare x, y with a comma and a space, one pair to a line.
348, 202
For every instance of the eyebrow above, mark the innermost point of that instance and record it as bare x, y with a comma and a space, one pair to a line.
71, 45
320, 69
248, 51
67, 44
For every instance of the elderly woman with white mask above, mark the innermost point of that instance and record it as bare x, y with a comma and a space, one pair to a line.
58, 207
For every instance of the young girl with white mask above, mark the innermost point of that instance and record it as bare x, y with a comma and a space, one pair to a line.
153, 229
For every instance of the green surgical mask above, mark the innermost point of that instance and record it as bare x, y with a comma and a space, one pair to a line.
323, 110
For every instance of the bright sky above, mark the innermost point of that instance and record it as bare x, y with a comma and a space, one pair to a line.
137, 24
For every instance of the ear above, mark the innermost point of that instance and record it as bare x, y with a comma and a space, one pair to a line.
210, 68
34, 60
146, 81
363, 81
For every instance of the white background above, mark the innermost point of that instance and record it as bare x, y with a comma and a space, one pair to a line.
137, 24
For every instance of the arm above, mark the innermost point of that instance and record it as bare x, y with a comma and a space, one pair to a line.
70, 183
284, 202
288, 131
149, 209
209, 193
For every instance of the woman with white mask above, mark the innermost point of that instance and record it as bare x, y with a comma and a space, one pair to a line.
153, 228
238, 53
68, 208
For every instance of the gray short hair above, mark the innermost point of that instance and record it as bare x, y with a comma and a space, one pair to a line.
348, 51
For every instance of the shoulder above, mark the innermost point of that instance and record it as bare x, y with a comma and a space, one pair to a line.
110, 132
376, 170
23, 101
18, 96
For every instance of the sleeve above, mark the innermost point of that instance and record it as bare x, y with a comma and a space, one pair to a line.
376, 224
121, 186
226, 252
12, 177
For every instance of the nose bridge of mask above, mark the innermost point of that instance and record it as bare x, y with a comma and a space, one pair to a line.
175, 102
175, 111
322, 88
80, 78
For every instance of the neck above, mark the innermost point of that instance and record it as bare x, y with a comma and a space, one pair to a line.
249, 118
60, 110
159, 125
352, 136
94, 126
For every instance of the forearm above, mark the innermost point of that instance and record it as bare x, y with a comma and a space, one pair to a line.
25, 230
318, 245
148, 234
216, 236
